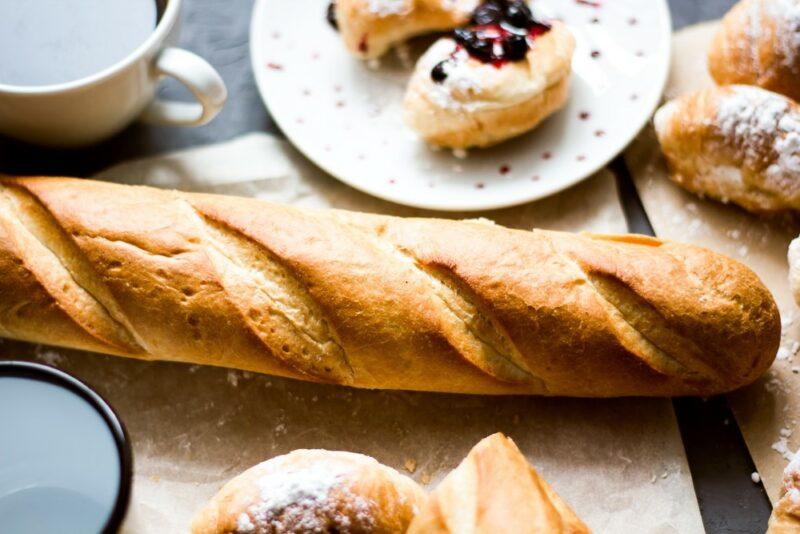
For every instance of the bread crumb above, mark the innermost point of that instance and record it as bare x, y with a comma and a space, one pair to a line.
781, 446
48, 356
410, 465
403, 52
425, 479
755, 477
233, 378
460, 153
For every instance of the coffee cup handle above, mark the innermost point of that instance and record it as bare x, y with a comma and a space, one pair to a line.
199, 77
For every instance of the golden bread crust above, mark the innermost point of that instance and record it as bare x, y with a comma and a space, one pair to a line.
495, 490
376, 302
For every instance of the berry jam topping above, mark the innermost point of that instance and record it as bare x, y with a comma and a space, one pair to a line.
500, 31
438, 74
330, 15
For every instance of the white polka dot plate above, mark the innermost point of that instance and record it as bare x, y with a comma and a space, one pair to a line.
346, 115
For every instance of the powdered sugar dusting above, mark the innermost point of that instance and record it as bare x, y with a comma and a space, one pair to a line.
787, 15
781, 446
387, 8
793, 469
309, 498
791, 480
460, 86
244, 524
754, 33
766, 128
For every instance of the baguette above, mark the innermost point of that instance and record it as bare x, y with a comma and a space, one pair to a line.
373, 301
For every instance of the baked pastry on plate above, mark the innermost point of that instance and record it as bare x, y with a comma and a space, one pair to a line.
759, 44
313, 491
495, 490
491, 81
369, 28
737, 143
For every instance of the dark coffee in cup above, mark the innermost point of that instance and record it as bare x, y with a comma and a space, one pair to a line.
46, 42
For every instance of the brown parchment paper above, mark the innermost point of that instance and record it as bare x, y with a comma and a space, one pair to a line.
619, 463
768, 411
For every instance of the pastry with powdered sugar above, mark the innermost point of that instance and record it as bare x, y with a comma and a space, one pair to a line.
493, 80
313, 492
738, 144
758, 43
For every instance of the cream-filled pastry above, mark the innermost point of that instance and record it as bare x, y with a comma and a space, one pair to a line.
737, 144
758, 43
369, 28
492, 81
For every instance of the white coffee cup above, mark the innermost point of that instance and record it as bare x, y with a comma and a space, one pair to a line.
93, 108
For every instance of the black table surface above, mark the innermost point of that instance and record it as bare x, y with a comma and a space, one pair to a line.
219, 31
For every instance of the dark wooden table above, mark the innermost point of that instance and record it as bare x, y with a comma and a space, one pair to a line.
218, 31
